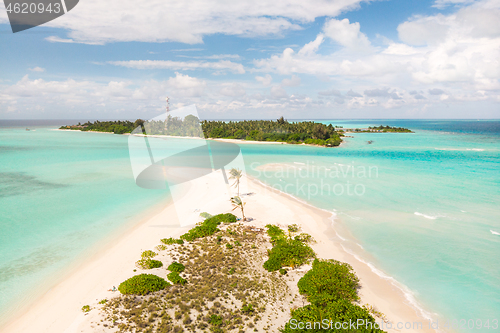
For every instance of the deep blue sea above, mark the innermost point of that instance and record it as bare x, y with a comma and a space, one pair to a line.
421, 207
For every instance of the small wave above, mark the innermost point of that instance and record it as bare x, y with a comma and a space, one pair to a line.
461, 149
494, 232
426, 216
408, 294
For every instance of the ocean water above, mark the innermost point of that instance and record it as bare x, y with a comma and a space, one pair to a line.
419, 206
61, 193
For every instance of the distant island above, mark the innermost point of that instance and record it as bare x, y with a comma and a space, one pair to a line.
280, 130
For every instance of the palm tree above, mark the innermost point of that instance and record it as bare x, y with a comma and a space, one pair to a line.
237, 203
236, 174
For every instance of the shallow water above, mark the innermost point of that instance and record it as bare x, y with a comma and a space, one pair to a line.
422, 205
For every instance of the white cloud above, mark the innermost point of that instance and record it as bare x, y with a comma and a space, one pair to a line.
181, 65
95, 21
424, 30
311, 47
37, 69
233, 90
454, 52
443, 3
294, 81
265, 80
347, 34
278, 92
187, 86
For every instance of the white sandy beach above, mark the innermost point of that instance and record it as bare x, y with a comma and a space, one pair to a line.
59, 309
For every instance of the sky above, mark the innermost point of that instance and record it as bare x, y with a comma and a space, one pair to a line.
260, 59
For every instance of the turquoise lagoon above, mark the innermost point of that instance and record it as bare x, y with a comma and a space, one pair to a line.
419, 206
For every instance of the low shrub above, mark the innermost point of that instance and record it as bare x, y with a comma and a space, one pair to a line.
237, 243
232, 270
176, 267
331, 277
175, 278
208, 227
215, 320
288, 252
283, 271
148, 254
86, 308
229, 246
304, 238
340, 311
102, 301
171, 241
148, 263
293, 228
142, 284
274, 232
247, 308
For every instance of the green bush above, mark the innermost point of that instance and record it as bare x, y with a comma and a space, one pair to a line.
215, 320
237, 243
148, 263
229, 246
148, 254
274, 232
304, 238
288, 252
339, 311
232, 270
247, 308
142, 284
175, 278
331, 277
103, 301
86, 308
208, 227
283, 271
170, 241
176, 267
293, 228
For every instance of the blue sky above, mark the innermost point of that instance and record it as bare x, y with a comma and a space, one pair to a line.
260, 59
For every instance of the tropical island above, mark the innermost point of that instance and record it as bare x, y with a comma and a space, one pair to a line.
280, 130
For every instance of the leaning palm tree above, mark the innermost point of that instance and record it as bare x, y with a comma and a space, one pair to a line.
236, 174
237, 203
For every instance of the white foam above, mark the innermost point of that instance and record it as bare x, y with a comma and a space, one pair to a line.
494, 232
299, 163
408, 294
426, 216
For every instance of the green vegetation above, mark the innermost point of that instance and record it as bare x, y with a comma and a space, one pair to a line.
176, 267
170, 241
103, 301
287, 251
86, 308
229, 246
148, 263
230, 291
208, 227
175, 278
331, 288
274, 130
117, 127
332, 278
280, 130
142, 284
389, 129
148, 254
